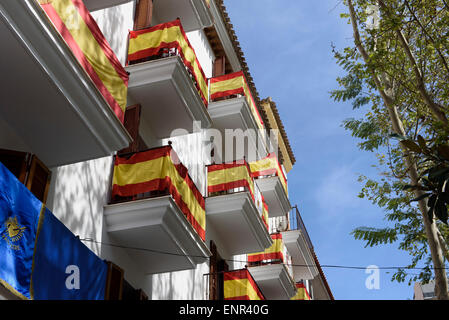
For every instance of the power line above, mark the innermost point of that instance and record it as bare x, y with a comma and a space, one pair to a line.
245, 261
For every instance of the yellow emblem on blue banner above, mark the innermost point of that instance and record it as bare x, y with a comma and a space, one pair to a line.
13, 232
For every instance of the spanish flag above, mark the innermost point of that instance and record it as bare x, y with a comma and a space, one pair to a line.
159, 170
269, 166
152, 41
240, 285
301, 293
226, 176
235, 83
265, 213
275, 252
82, 34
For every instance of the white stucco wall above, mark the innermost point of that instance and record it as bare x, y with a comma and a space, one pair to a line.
77, 195
204, 53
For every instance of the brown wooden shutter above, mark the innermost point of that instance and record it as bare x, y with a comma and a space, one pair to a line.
131, 123
38, 181
114, 282
213, 268
141, 295
16, 162
219, 66
144, 13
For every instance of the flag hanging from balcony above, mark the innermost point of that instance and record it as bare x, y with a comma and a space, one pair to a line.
240, 285
265, 213
64, 268
82, 34
275, 252
226, 176
19, 216
301, 293
235, 83
37, 250
155, 40
269, 166
160, 170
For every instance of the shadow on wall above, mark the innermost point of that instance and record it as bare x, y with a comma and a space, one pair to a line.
115, 22
78, 194
181, 285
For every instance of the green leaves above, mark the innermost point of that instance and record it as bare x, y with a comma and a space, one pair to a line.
383, 84
375, 236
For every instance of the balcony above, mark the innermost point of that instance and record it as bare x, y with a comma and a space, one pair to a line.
167, 80
272, 270
52, 96
240, 285
234, 209
301, 292
194, 14
232, 107
272, 182
299, 245
155, 205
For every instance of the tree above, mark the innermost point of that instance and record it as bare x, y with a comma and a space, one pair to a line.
398, 68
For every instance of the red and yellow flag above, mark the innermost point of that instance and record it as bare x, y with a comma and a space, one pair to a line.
265, 213
235, 83
269, 166
301, 293
226, 176
152, 41
275, 252
82, 34
240, 285
160, 169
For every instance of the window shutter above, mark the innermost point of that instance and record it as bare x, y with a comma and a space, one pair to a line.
213, 268
144, 13
16, 162
141, 295
131, 123
219, 66
38, 181
114, 282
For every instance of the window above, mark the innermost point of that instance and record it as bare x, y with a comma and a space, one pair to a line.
219, 68
131, 123
31, 171
114, 282
144, 14
217, 267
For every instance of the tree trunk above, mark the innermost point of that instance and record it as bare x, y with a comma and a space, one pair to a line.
441, 288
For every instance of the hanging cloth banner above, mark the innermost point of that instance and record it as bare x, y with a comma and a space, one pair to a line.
159, 170
226, 176
269, 166
19, 216
275, 252
64, 268
88, 44
265, 213
240, 285
301, 293
235, 83
153, 41
37, 250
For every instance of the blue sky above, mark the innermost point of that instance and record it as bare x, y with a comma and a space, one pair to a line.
287, 45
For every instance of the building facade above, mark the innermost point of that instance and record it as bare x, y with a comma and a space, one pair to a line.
138, 125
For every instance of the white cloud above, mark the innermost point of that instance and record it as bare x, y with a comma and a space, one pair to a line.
337, 192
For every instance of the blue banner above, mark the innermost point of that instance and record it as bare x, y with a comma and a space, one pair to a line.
64, 268
40, 258
19, 216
